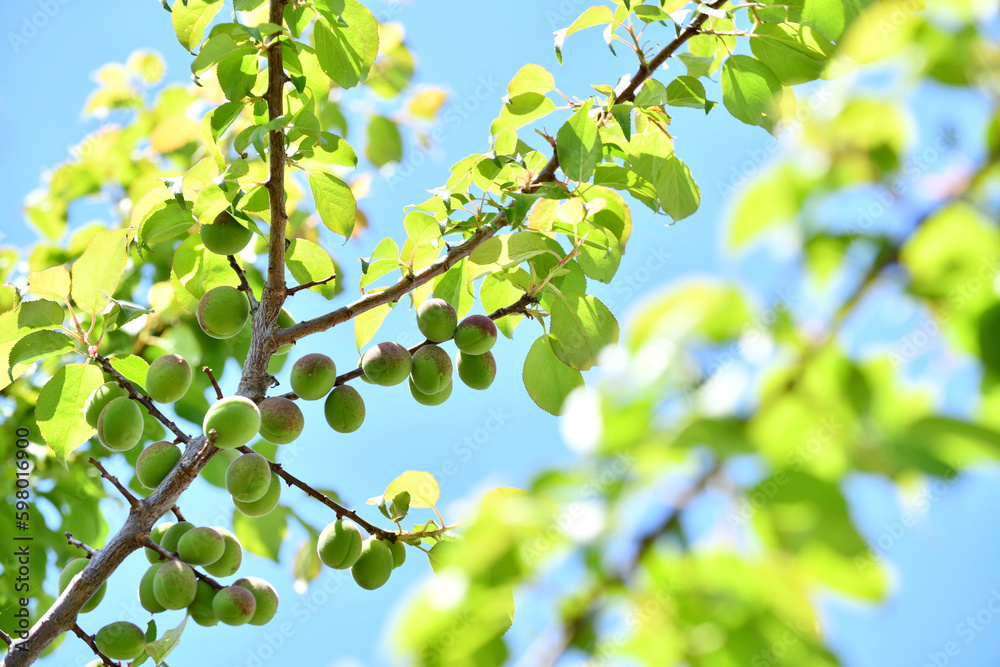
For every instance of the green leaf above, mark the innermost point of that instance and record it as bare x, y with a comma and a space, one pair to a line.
191, 17
600, 15
399, 506
333, 151
60, 407
51, 282
97, 273
502, 252
367, 323
547, 379
578, 145
237, 73
215, 48
195, 270
34, 347
133, 368
15, 324
676, 188
161, 648
346, 50
581, 327
521, 110
308, 262
214, 124
306, 565
768, 202
750, 90
262, 535
687, 91
335, 203
165, 221
795, 53
498, 292
455, 287
384, 259
531, 79
421, 486
385, 144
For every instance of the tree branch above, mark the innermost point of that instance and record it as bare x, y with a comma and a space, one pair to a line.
215, 385
78, 631
244, 285
91, 552
338, 509
132, 500
5, 638
314, 283
172, 555
146, 402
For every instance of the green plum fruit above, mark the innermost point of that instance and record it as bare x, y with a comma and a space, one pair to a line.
225, 235
285, 320
168, 378
234, 605
374, 565
121, 640
437, 319
174, 585
232, 556
223, 311
313, 376
266, 503
156, 534
339, 544
201, 609
386, 364
146, 596
98, 400
264, 595
236, 420
201, 546
73, 568
344, 409
248, 477
281, 421
477, 371
431, 369
155, 463
172, 536
120, 425
476, 334
398, 550
430, 399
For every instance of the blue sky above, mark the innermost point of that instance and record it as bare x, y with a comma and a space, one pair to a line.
944, 566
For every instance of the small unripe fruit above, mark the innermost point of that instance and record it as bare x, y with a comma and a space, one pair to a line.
225, 236
155, 463
98, 400
436, 319
120, 425
281, 420
285, 320
477, 371
174, 585
232, 556
156, 534
476, 334
266, 503
168, 378
431, 371
430, 399
236, 420
172, 536
234, 605
398, 550
386, 364
146, 596
344, 409
313, 376
73, 568
264, 595
223, 312
121, 640
373, 566
339, 545
201, 609
201, 546
248, 477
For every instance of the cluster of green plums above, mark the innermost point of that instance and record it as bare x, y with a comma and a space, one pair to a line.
341, 546
172, 584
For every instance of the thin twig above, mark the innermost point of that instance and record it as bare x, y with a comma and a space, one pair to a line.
172, 555
299, 288
177, 513
244, 284
144, 400
91, 552
132, 500
5, 638
215, 384
78, 631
